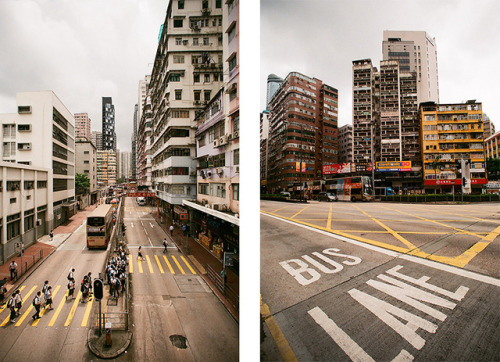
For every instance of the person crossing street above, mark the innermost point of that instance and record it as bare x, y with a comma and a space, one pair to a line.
36, 303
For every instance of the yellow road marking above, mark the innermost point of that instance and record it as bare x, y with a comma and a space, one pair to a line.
139, 264
392, 232
189, 266
5, 302
284, 348
25, 300
329, 222
8, 317
87, 313
149, 265
169, 266
59, 307
300, 211
73, 309
159, 264
176, 262
130, 264
42, 312
281, 208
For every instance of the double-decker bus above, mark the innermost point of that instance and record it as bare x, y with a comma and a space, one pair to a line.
357, 188
99, 227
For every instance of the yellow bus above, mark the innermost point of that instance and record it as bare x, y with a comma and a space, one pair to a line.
99, 227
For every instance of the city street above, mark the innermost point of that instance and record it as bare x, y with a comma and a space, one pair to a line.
175, 314
380, 281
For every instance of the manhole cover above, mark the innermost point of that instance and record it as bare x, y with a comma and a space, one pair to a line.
178, 341
112, 302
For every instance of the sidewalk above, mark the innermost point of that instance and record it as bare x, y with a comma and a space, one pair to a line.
201, 257
35, 254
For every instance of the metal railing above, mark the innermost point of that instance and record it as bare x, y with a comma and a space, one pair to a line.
230, 294
26, 265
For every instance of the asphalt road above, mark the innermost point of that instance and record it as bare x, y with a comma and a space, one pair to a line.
175, 314
376, 281
61, 334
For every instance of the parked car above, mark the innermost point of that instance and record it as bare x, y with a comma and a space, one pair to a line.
286, 194
327, 196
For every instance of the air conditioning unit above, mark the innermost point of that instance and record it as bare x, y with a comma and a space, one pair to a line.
220, 171
216, 143
204, 202
185, 42
38, 222
237, 169
236, 134
230, 137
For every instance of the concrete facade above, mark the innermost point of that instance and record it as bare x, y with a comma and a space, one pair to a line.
86, 163
106, 168
345, 144
82, 126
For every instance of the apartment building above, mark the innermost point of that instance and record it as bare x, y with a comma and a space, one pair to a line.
492, 146
187, 73
416, 52
345, 144
303, 133
144, 136
133, 164
108, 124
453, 151
489, 127
41, 134
264, 139
24, 206
82, 125
96, 138
86, 163
273, 84
106, 168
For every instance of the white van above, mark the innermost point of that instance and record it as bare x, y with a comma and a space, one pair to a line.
141, 201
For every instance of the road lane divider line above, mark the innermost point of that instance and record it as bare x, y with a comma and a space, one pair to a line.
73, 309
329, 221
159, 264
281, 208
87, 313
300, 211
58, 310
149, 265
42, 311
180, 268
30, 307
139, 265
284, 348
168, 263
189, 266
392, 232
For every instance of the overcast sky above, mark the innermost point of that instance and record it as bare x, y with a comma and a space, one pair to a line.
81, 50
321, 39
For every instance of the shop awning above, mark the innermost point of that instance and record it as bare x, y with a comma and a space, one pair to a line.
221, 215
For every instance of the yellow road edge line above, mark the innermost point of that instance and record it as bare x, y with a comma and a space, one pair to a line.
392, 232
301, 211
189, 266
279, 338
139, 265
475, 249
130, 264
159, 264
30, 307
149, 265
42, 311
73, 309
168, 263
87, 313
180, 268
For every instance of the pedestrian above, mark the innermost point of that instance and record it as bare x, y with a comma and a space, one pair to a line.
3, 291
45, 287
85, 291
13, 270
12, 305
223, 274
123, 277
171, 230
19, 301
71, 274
139, 253
112, 286
165, 245
51, 234
116, 288
48, 298
36, 303
71, 288
184, 229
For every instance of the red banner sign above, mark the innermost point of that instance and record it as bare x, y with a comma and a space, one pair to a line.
457, 182
141, 194
336, 168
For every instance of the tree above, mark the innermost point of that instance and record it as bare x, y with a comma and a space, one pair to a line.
82, 183
493, 168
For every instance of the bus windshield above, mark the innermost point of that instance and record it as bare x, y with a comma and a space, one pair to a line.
95, 221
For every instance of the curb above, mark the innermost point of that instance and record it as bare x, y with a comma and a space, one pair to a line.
91, 337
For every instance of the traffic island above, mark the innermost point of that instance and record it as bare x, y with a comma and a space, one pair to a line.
120, 341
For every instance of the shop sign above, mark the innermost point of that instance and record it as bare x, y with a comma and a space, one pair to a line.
493, 185
363, 167
141, 194
228, 259
179, 210
336, 168
184, 216
393, 166
474, 181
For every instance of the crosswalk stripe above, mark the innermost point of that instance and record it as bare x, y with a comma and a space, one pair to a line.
176, 262
149, 265
8, 317
139, 264
189, 266
159, 264
58, 310
73, 309
87, 313
42, 312
130, 264
29, 308
169, 266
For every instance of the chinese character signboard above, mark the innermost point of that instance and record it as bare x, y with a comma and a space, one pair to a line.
336, 168
393, 166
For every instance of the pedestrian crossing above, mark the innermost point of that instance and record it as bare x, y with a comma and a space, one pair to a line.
64, 314
163, 264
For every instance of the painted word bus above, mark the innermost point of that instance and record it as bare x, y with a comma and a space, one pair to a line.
356, 188
99, 227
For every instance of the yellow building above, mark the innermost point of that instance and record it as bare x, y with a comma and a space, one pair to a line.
452, 142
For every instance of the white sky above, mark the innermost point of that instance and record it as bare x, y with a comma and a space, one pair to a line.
81, 50
321, 39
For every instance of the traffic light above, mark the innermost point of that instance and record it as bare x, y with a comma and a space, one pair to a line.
98, 292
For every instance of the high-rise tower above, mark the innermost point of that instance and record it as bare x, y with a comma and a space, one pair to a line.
108, 124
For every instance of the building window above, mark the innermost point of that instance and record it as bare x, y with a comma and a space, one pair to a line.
13, 227
178, 41
178, 94
205, 41
28, 185
13, 200
180, 4
24, 127
236, 192
218, 190
204, 4
236, 157
203, 189
175, 78
207, 78
218, 4
24, 109
197, 95
206, 95
231, 34
9, 149
13, 185
178, 59
196, 41
202, 141
178, 23
232, 63
196, 78
41, 184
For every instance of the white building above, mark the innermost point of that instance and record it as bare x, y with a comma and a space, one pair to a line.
416, 52
86, 163
41, 134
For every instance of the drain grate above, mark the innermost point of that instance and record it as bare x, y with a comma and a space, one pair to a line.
178, 341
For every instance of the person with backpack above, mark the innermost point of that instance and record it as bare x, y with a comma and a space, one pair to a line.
12, 306
165, 244
45, 287
48, 298
19, 301
85, 291
36, 303
71, 274
71, 288
139, 253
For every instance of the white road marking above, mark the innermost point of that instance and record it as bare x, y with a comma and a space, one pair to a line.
151, 225
132, 224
